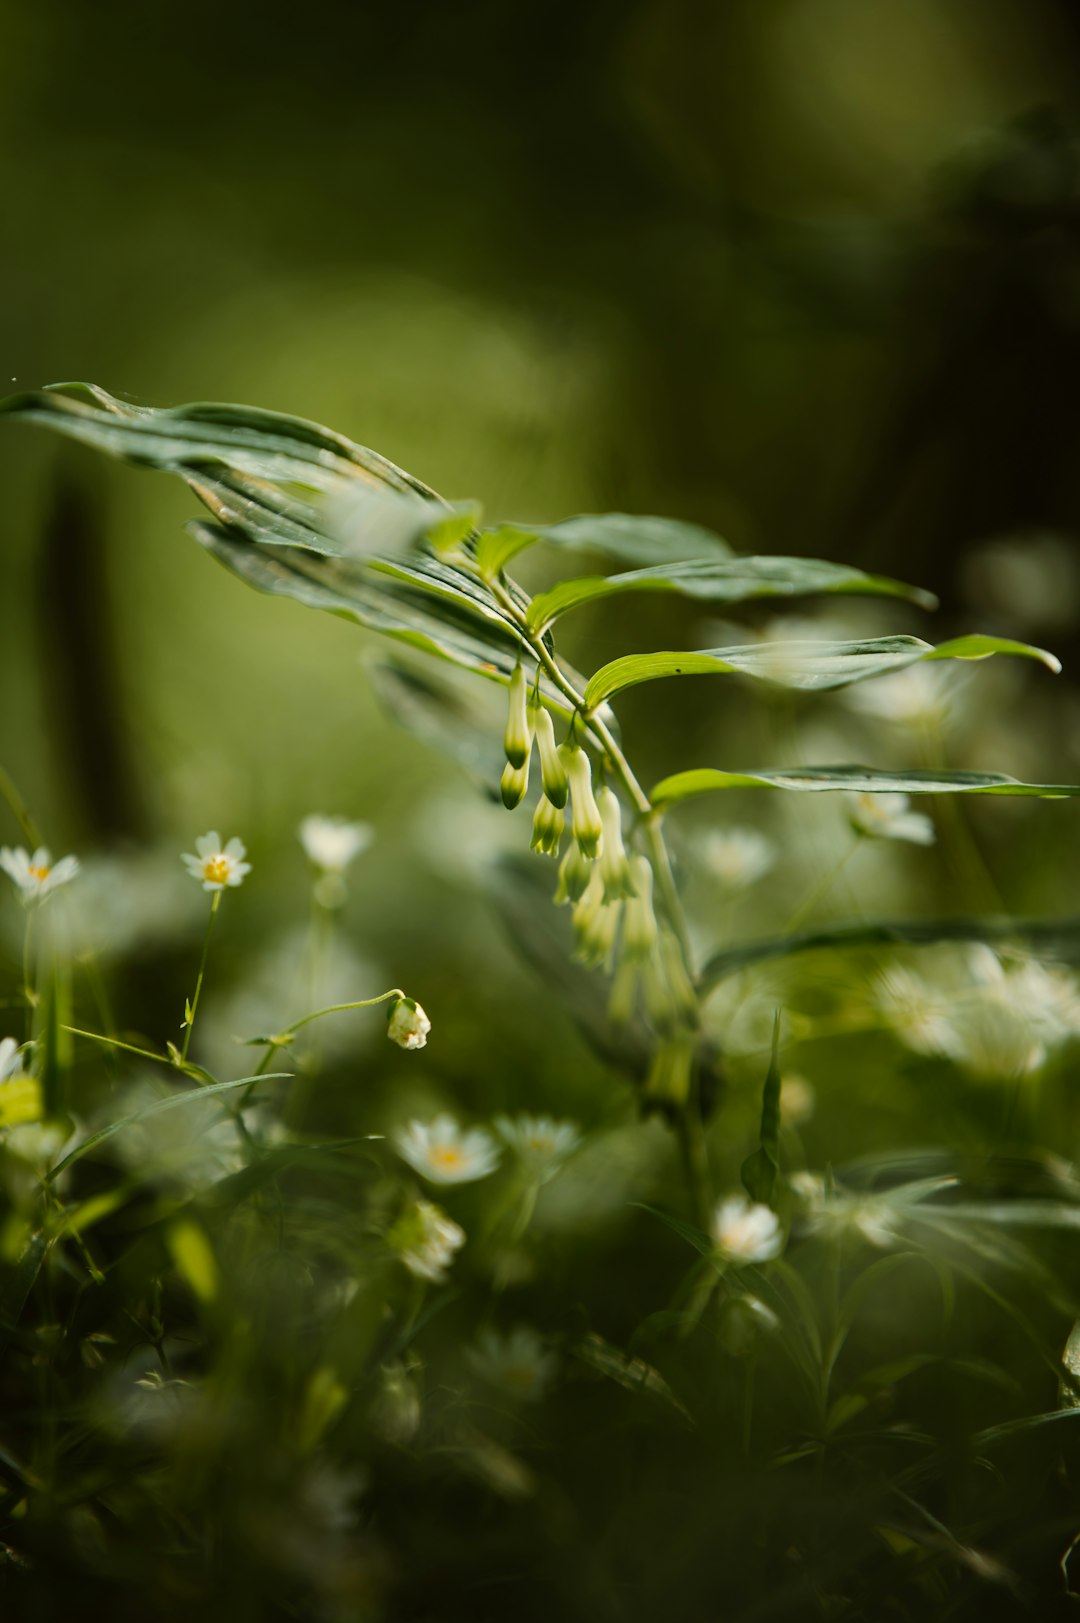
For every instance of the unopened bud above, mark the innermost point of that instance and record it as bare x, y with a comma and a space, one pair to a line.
552, 770
407, 1024
639, 924
518, 739
596, 924
586, 826
614, 868
574, 876
667, 1086
513, 784
547, 829
623, 990
682, 989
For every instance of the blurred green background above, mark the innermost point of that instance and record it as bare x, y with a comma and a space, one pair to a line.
807, 271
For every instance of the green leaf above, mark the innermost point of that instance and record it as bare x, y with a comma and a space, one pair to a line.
158, 1108
495, 548
686, 1231
734, 580
639, 539
632, 1373
854, 780
1047, 938
761, 1170
810, 666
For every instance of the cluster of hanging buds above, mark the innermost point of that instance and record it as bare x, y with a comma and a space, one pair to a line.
609, 890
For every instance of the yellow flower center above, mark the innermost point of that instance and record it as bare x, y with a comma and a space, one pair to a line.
447, 1157
216, 869
39, 871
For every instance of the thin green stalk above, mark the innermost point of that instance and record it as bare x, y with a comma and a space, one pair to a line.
19, 810
189, 1024
282, 1039
29, 992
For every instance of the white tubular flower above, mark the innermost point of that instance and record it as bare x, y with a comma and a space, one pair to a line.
443, 1153
667, 1085
614, 868
737, 857
547, 830
574, 876
680, 986
216, 865
331, 843
517, 740
517, 1365
746, 1232
425, 1239
886, 817
639, 920
596, 924
36, 876
407, 1024
552, 770
514, 784
624, 989
586, 825
541, 1144
11, 1067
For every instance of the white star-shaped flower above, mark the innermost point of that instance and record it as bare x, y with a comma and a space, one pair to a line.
10, 1060
36, 875
540, 1143
746, 1232
425, 1240
331, 843
215, 864
442, 1152
886, 817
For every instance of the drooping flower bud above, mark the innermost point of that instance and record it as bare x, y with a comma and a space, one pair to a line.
667, 1086
596, 924
614, 868
407, 1024
683, 995
639, 923
586, 826
547, 829
552, 770
574, 875
513, 784
623, 989
519, 722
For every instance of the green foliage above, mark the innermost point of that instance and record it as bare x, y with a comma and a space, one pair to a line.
230, 1310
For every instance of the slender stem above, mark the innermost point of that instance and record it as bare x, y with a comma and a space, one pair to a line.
695, 1158
28, 979
283, 1038
821, 888
190, 1022
19, 809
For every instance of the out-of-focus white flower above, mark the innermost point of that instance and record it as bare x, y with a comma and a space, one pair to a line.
920, 1014
425, 1239
797, 1100
737, 856
918, 696
835, 1215
886, 817
331, 843
216, 865
541, 1144
442, 1152
407, 1024
518, 1364
11, 1065
746, 1231
37, 875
